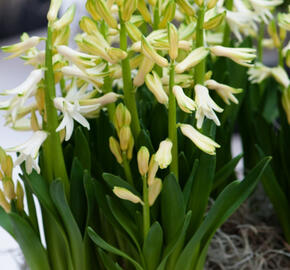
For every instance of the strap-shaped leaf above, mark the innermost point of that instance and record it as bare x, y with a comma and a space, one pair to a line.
226, 204
5, 222
108, 261
152, 247
82, 149
104, 245
34, 253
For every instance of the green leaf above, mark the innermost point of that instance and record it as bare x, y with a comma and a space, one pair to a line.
5, 222
108, 261
104, 245
82, 149
169, 249
144, 140
74, 235
172, 207
188, 185
222, 174
152, 247
77, 194
226, 204
34, 253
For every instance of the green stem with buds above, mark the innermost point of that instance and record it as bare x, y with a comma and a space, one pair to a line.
199, 71
53, 154
127, 169
172, 130
129, 91
146, 208
227, 30
260, 41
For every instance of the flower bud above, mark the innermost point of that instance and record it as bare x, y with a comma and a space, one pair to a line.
168, 14
125, 194
130, 148
53, 10
185, 103
150, 52
281, 76
195, 57
4, 203
115, 149
286, 103
122, 116
105, 13
199, 2
214, 21
91, 8
211, 4
152, 170
61, 37
204, 143
152, 2
143, 160
134, 33
20, 197
128, 9
124, 136
163, 156
116, 54
141, 6
272, 30
186, 6
66, 19
88, 25
173, 41
7, 166
8, 187
154, 190
282, 34
288, 58
34, 122
154, 84
145, 67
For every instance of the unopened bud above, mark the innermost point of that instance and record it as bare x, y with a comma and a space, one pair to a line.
128, 9
211, 4
152, 2
154, 190
163, 156
125, 194
173, 41
91, 8
214, 21
151, 53
185, 103
116, 54
115, 149
143, 160
124, 136
130, 148
122, 116
141, 6
145, 67
169, 14
272, 30
152, 170
105, 13
4, 203
7, 166
134, 33
53, 10
8, 187
283, 33
66, 19
199, 2
88, 25
34, 121
208, 75
288, 58
186, 6
20, 197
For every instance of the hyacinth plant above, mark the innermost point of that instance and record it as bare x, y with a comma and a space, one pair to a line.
266, 108
123, 154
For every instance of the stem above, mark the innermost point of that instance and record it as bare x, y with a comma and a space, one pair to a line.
199, 71
107, 89
146, 208
172, 130
127, 169
260, 40
129, 92
280, 55
227, 30
53, 154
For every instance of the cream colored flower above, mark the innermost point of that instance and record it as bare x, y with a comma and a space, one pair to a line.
185, 103
125, 194
259, 73
163, 156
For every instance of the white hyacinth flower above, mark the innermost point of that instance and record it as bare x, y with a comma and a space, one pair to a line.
224, 91
259, 73
242, 56
205, 106
29, 151
185, 103
263, 8
280, 75
163, 156
203, 142
125, 194
21, 47
71, 112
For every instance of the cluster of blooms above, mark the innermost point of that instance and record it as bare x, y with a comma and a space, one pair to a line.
82, 73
